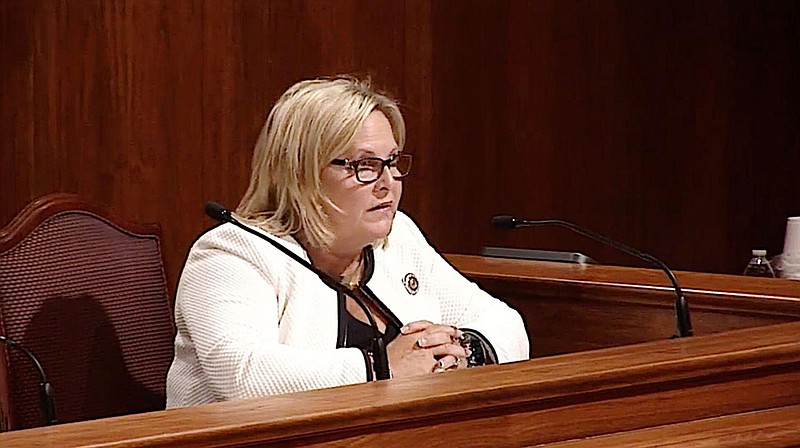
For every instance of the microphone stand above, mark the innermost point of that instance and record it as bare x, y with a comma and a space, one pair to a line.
682, 318
46, 400
379, 359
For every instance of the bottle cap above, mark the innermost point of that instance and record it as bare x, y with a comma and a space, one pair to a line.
759, 252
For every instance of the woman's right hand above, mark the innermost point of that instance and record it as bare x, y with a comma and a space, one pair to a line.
424, 347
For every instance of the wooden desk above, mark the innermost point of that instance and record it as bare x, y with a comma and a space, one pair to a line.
569, 307
770, 428
664, 388
546, 400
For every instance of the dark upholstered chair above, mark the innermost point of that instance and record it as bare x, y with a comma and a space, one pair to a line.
86, 294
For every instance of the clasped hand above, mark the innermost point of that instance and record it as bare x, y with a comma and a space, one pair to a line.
424, 347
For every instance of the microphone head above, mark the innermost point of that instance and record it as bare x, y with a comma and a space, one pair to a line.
504, 221
217, 211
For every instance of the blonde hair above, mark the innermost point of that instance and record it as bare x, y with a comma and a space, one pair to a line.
311, 124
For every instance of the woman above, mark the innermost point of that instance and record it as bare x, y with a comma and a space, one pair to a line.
326, 183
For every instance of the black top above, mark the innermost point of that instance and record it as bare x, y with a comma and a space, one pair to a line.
357, 333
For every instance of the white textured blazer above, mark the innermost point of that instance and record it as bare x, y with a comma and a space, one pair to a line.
253, 322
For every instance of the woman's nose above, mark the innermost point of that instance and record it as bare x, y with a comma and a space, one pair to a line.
385, 178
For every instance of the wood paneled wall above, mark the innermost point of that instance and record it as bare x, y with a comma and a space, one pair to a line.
671, 126
153, 107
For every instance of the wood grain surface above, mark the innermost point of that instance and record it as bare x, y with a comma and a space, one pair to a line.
670, 126
771, 428
538, 401
571, 307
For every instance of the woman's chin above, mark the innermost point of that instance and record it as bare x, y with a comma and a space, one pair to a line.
378, 231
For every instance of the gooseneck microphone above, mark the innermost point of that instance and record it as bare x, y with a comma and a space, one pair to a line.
682, 319
46, 400
380, 359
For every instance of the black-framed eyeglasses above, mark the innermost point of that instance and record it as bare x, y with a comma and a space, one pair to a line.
369, 169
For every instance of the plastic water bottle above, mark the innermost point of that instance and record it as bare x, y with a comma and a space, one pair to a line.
759, 266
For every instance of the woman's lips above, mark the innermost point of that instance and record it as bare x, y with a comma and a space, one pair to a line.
382, 206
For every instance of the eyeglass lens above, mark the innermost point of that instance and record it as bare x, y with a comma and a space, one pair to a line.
370, 169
